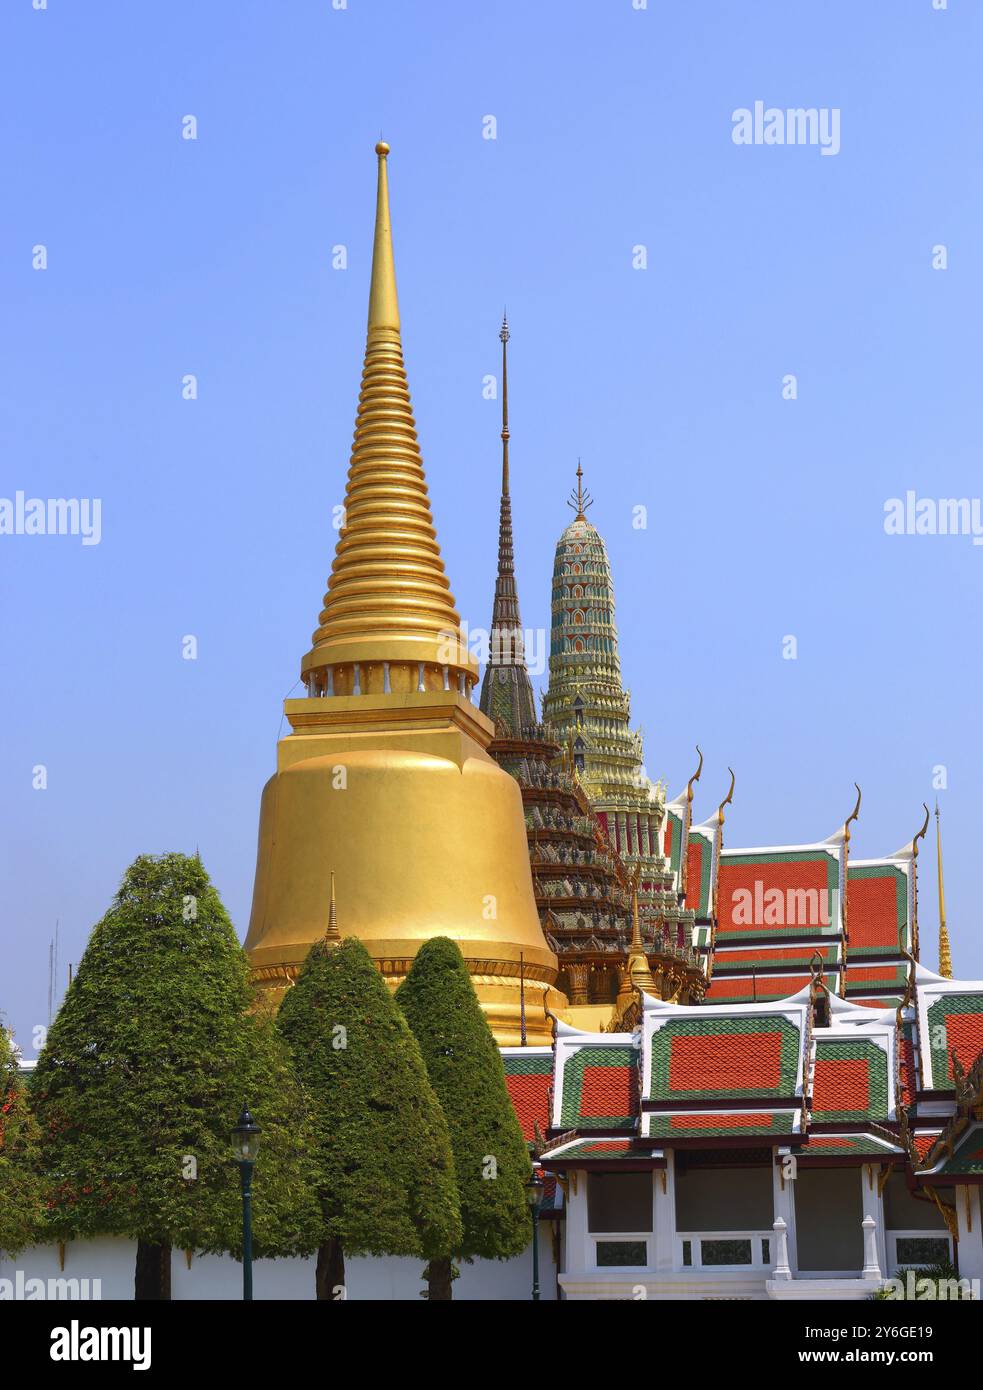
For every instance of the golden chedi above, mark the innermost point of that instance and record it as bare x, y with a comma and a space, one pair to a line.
385, 778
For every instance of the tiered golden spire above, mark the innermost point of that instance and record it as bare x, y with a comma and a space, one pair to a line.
639, 971
332, 934
945, 954
389, 623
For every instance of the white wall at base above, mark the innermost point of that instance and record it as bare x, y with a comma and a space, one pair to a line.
826, 1290
109, 1261
112, 1262
642, 1286
969, 1210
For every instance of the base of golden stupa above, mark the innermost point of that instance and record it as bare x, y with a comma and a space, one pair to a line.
425, 835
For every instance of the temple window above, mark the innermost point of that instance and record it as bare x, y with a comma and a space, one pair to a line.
619, 1203
915, 1232
828, 1216
724, 1213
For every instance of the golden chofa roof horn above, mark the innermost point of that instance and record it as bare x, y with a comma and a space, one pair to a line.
389, 623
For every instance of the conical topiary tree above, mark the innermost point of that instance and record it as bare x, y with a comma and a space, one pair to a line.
152, 1056
384, 1174
22, 1190
491, 1160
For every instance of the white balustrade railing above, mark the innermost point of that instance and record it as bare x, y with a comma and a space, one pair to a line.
721, 1250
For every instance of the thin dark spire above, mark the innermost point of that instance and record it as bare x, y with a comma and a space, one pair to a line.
504, 335
506, 692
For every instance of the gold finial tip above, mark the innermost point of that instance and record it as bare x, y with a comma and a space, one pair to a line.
382, 148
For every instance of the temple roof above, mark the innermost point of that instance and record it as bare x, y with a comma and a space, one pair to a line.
529, 1079
950, 1025
596, 1082
812, 1074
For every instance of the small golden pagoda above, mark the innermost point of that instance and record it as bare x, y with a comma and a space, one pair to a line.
385, 774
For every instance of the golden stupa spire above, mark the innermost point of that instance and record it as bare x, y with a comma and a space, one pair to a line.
389, 624
945, 955
638, 968
383, 301
332, 933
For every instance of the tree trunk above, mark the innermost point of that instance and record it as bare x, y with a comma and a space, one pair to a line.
153, 1272
439, 1279
330, 1276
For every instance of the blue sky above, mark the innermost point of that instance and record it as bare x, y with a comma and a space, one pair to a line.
765, 516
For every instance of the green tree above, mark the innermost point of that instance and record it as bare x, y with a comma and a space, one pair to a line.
144, 1072
22, 1190
384, 1174
491, 1160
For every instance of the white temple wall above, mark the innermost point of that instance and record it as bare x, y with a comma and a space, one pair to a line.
969, 1210
112, 1260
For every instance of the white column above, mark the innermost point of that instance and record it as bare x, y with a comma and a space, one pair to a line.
664, 1216
576, 1223
872, 1269
874, 1208
783, 1190
782, 1269
969, 1210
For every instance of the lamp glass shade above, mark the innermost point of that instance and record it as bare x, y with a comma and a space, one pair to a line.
245, 1138
535, 1188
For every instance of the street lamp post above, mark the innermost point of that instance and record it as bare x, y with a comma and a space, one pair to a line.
534, 1196
245, 1138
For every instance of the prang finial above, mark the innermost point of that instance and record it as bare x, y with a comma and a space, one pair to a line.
580, 500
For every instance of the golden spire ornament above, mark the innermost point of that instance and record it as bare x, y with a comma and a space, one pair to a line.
332, 934
945, 954
389, 622
638, 969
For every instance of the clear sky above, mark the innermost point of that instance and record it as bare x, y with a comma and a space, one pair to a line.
213, 257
